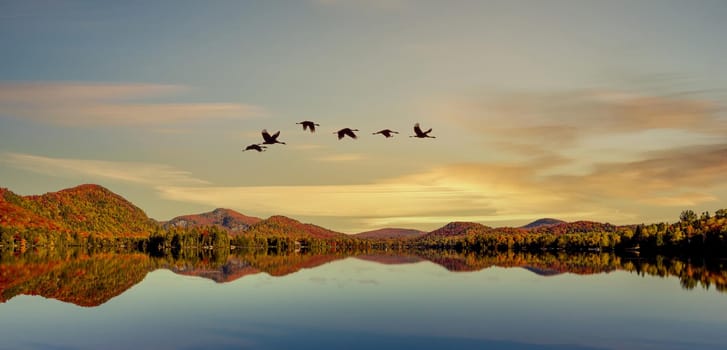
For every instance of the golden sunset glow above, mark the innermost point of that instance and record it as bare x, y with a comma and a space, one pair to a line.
555, 113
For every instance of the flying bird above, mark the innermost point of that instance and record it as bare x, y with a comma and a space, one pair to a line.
271, 139
386, 132
309, 125
346, 132
255, 147
421, 134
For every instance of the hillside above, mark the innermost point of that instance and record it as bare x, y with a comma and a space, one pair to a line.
389, 233
83, 209
13, 214
231, 221
281, 225
544, 222
575, 227
458, 229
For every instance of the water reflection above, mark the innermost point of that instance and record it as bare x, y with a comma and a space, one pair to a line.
91, 278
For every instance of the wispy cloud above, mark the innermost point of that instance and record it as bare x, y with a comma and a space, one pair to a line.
669, 174
524, 123
367, 200
345, 157
307, 147
109, 104
132, 172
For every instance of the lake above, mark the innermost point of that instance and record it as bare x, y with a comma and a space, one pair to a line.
422, 300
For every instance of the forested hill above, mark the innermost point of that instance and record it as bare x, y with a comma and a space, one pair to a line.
85, 209
228, 219
544, 222
284, 226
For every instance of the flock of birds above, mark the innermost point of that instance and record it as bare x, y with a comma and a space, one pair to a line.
308, 125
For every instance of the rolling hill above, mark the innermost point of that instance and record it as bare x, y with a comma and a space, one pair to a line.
277, 225
458, 229
231, 221
544, 222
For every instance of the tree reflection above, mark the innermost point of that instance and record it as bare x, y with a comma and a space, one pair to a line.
91, 277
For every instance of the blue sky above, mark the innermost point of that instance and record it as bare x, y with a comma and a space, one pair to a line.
610, 111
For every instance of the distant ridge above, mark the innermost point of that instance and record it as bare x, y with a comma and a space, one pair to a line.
544, 222
228, 219
390, 233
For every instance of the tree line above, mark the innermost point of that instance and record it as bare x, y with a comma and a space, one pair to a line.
691, 234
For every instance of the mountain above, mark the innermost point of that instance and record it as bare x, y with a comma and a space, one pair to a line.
230, 220
277, 225
457, 229
84, 209
387, 233
544, 222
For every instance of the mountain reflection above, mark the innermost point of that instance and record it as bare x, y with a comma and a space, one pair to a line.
91, 278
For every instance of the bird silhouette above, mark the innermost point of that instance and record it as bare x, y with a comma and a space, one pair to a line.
271, 139
346, 132
421, 134
386, 132
255, 147
309, 125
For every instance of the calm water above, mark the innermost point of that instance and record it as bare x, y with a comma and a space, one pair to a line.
365, 302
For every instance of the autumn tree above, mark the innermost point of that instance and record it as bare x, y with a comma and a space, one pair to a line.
688, 216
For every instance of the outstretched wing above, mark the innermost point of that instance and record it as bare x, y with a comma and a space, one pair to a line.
350, 133
312, 127
266, 136
417, 129
428, 131
275, 135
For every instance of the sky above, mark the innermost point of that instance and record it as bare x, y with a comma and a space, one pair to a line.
579, 110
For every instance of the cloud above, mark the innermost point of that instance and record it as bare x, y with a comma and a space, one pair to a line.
364, 200
132, 172
548, 123
108, 104
668, 174
307, 147
689, 199
344, 157
595, 111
